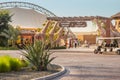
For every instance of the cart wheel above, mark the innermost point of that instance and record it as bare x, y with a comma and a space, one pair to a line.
111, 49
105, 49
118, 52
95, 51
100, 52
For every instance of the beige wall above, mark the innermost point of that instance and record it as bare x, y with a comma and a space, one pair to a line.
91, 39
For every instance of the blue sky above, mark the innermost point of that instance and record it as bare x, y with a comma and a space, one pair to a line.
79, 8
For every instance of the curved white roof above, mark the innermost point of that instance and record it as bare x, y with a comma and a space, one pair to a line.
26, 17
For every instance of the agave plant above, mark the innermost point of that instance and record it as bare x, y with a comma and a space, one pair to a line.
38, 55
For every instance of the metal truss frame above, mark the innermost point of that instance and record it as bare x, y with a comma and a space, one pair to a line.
28, 5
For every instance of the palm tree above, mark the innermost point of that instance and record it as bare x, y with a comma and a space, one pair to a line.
11, 34
5, 18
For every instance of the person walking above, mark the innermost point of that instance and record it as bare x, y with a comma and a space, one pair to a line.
75, 42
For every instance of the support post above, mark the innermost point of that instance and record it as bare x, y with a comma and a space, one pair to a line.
108, 22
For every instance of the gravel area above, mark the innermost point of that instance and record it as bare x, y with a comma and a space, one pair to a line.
24, 74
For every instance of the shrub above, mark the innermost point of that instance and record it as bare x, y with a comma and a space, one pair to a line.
24, 63
15, 64
4, 64
8, 63
38, 55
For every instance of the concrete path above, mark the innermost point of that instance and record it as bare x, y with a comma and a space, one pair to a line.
88, 66
82, 64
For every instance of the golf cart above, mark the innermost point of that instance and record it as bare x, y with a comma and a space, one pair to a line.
103, 47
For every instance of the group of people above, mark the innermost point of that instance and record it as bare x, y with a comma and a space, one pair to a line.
77, 43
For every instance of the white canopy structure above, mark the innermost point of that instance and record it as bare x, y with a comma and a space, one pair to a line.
26, 17
26, 14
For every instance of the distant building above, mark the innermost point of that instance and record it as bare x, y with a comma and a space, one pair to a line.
90, 37
27, 35
116, 17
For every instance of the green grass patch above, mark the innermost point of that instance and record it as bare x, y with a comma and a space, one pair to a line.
8, 48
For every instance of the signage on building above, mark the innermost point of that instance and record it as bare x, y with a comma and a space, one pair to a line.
73, 24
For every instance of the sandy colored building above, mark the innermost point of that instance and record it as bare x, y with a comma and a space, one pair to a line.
116, 17
27, 35
90, 37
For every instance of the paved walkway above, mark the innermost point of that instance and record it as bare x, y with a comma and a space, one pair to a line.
75, 50
82, 64
88, 66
